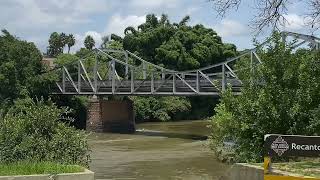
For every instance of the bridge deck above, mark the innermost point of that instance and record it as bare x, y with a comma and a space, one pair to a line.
144, 87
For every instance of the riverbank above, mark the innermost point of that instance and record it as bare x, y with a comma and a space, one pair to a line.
164, 150
29, 168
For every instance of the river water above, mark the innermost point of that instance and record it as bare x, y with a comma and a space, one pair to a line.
157, 151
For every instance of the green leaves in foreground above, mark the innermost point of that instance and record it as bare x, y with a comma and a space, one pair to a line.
281, 96
33, 131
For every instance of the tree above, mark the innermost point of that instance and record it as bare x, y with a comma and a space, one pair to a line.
65, 59
71, 41
106, 40
116, 38
272, 12
131, 29
164, 19
179, 47
159, 108
55, 45
64, 40
57, 42
184, 21
21, 69
281, 96
89, 42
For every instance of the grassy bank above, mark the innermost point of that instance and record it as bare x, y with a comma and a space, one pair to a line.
303, 168
29, 168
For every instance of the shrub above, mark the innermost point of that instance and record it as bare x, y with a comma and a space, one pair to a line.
159, 108
33, 131
281, 96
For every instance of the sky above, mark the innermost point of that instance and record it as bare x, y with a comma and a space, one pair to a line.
35, 20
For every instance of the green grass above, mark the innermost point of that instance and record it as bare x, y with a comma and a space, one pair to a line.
303, 168
31, 168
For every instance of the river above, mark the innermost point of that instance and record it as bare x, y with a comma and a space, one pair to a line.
157, 151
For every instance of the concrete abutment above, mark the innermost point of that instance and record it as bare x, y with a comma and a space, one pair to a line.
110, 116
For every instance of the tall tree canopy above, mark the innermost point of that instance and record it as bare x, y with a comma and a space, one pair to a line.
71, 41
89, 42
55, 45
57, 42
176, 46
20, 68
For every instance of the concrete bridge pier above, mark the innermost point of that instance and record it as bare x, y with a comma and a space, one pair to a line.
110, 116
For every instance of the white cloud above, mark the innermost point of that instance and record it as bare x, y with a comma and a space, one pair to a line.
18, 15
192, 10
294, 22
118, 23
80, 39
228, 28
154, 3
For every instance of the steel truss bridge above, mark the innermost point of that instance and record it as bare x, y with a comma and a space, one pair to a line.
120, 72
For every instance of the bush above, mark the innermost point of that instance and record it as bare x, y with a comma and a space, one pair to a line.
161, 108
281, 96
32, 131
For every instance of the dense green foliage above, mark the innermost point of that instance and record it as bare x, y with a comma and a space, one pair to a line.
280, 96
176, 46
70, 41
65, 59
20, 69
55, 45
89, 42
161, 108
57, 42
32, 168
33, 131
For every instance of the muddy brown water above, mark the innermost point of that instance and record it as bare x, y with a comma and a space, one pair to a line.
157, 151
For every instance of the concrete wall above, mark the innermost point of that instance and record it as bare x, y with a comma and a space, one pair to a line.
110, 116
86, 175
246, 172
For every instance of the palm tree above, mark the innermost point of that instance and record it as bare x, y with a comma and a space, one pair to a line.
164, 19
63, 40
89, 42
184, 21
71, 41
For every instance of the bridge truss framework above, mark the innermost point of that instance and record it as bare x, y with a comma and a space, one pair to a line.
132, 75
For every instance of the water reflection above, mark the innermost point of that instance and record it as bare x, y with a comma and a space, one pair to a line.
172, 150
